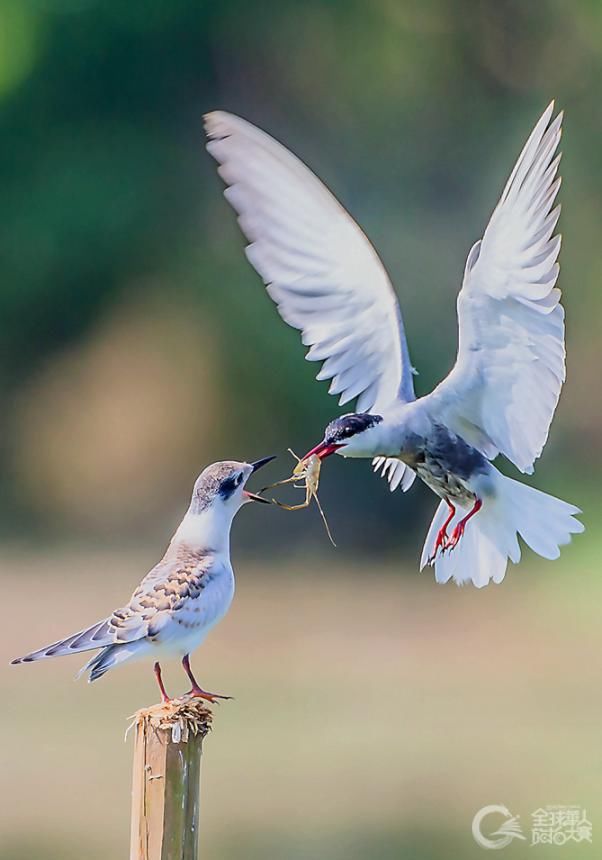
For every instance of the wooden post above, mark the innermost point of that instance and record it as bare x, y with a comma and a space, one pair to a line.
166, 780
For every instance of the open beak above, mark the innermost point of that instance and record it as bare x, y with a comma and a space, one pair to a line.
259, 463
253, 497
323, 449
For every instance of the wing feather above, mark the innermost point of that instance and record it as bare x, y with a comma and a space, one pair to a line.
395, 472
320, 269
504, 388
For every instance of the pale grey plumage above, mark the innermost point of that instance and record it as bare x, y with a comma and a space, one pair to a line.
504, 388
170, 594
328, 282
318, 265
500, 397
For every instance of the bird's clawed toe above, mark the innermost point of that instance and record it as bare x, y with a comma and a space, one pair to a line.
213, 698
440, 544
442, 540
456, 535
445, 543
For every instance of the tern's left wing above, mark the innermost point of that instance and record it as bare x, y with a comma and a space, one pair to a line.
503, 390
397, 473
319, 267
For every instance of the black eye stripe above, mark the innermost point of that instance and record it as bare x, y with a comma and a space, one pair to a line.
228, 485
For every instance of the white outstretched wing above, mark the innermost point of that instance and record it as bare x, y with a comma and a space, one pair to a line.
319, 267
503, 390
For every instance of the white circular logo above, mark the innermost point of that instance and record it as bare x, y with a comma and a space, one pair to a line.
508, 831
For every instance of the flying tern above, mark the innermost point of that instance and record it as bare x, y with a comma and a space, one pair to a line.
328, 282
183, 597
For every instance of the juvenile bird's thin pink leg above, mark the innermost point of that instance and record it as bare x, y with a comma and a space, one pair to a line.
197, 691
164, 696
459, 529
442, 540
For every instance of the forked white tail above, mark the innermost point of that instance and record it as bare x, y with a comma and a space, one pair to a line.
491, 537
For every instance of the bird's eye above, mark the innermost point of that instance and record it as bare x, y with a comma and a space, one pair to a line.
237, 480
227, 487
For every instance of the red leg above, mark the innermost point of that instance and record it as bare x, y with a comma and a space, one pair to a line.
197, 691
459, 529
164, 696
442, 539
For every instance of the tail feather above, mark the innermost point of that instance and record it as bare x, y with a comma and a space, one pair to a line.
96, 636
112, 656
491, 537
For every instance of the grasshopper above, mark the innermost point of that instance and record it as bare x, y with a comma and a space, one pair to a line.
307, 471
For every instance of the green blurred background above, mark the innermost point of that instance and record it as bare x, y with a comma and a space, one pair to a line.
375, 712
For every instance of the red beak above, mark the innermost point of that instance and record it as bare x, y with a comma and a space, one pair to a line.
322, 450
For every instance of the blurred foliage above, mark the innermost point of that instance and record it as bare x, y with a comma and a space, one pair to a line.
114, 232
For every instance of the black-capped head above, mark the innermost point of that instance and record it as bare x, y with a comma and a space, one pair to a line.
344, 434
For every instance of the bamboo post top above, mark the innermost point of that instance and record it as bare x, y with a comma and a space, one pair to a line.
166, 779
181, 717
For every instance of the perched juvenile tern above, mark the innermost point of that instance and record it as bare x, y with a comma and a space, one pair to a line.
327, 281
183, 597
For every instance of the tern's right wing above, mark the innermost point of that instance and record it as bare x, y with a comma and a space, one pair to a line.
319, 267
504, 388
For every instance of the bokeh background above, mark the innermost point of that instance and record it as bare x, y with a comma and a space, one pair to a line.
375, 712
